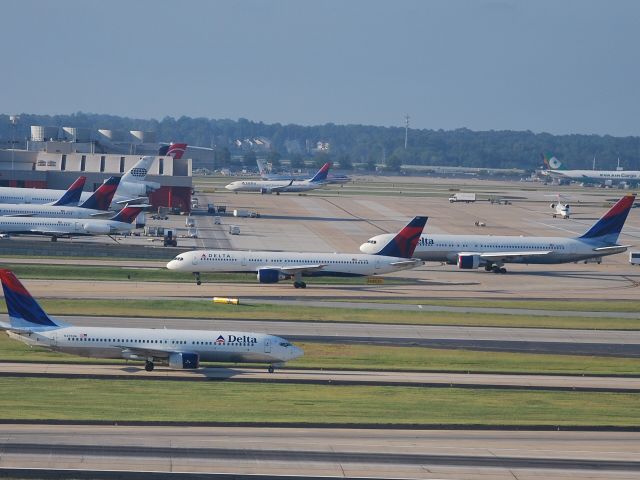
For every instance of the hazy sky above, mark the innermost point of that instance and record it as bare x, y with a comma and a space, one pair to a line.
555, 66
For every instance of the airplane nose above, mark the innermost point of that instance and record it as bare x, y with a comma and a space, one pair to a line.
296, 352
172, 265
229, 187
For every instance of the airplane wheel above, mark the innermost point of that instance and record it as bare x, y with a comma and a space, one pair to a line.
296, 285
503, 270
487, 268
271, 369
148, 366
303, 285
198, 282
496, 269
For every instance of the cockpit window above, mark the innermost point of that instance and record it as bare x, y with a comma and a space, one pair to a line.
285, 344
178, 259
372, 241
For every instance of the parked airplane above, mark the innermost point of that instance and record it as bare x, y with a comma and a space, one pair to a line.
556, 170
56, 228
71, 196
279, 186
97, 204
181, 349
492, 252
271, 267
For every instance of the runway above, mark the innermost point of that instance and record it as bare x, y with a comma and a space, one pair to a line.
532, 340
345, 453
328, 377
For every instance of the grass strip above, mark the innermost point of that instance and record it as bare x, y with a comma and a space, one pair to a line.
132, 400
361, 357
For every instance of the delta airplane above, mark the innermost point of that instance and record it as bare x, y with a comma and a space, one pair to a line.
180, 349
17, 195
271, 267
56, 228
265, 174
555, 169
280, 186
492, 252
97, 204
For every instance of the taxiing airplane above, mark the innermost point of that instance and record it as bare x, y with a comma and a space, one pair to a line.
265, 174
560, 207
280, 186
55, 227
271, 267
96, 205
180, 349
556, 170
493, 251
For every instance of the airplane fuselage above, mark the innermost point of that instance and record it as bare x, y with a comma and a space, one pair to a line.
275, 186
62, 226
48, 211
600, 176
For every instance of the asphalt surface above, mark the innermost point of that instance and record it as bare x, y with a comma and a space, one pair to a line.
328, 377
384, 453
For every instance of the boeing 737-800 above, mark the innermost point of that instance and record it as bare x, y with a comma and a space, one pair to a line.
282, 186
271, 267
492, 252
181, 349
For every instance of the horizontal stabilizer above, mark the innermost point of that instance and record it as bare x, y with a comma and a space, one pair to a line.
613, 247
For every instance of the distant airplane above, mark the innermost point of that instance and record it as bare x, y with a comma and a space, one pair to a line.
282, 186
56, 227
560, 207
493, 251
271, 267
96, 205
180, 349
265, 174
175, 150
43, 196
555, 169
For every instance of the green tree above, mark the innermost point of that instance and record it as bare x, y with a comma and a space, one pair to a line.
297, 162
345, 162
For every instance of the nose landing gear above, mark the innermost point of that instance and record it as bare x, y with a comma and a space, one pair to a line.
197, 275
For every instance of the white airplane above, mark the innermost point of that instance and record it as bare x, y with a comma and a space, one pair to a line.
96, 205
492, 252
180, 349
271, 267
56, 228
41, 196
560, 208
132, 188
280, 186
605, 177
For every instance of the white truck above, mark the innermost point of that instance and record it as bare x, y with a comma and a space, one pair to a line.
634, 258
462, 197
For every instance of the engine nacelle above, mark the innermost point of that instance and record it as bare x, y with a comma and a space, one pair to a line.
468, 261
553, 205
270, 275
97, 228
184, 360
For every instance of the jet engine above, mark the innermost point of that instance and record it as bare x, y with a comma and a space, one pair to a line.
468, 261
97, 228
264, 190
270, 275
184, 360
553, 205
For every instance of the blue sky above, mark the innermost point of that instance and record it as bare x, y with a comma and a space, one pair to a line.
556, 66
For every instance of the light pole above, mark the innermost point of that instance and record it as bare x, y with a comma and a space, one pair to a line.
13, 120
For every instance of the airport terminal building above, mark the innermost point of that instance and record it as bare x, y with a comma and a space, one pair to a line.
52, 163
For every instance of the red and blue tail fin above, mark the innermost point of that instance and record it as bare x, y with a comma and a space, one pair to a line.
128, 214
175, 150
101, 198
24, 311
72, 195
608, 228
405, 242
321, 175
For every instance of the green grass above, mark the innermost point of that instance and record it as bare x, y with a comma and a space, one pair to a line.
267, 312
147, 400
361, 357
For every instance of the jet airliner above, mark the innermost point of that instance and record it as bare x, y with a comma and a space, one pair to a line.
180, 349
271, 267
493, 251
319, 180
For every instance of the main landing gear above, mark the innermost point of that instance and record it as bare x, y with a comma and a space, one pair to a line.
299, 284
197, 275
271, 369
148, 366
495, 269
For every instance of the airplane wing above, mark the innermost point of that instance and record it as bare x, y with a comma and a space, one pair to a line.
507, 255
132, 200
300, 268
102, 214
406, 262
49, 232
144, 352
282, 187
19, 215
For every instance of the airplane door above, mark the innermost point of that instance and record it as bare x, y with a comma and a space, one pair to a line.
54, 339
244, 261
267, 345
377, 264
194, 260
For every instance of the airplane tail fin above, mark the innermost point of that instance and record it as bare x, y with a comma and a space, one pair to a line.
262, 167
128, 214
72, 195
405, 242
321, 175
101, 198
24, 311
139, 171
551, 162
175, 150
609, 226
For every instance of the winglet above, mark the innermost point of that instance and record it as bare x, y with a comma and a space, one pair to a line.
405, 242
101, 198
24, 311
72, 195
610, 225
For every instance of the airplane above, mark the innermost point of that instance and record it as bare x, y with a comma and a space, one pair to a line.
180, 349
271, 267
279, 186
561, 209
96, 205
493, 251
56, 227
41, 196
175, 150
555, 169
266, 174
